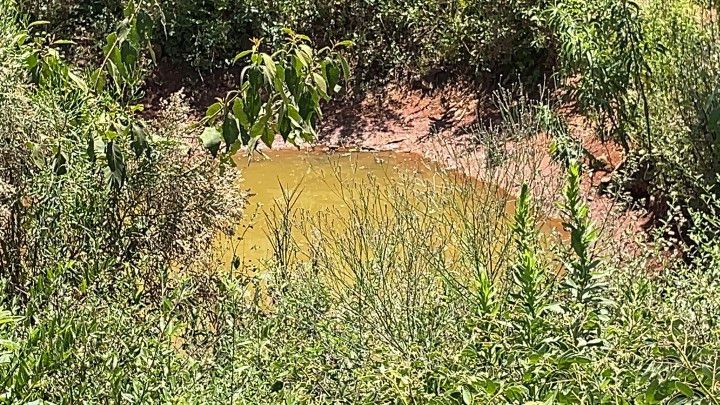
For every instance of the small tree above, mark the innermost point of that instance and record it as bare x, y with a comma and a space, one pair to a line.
279, 93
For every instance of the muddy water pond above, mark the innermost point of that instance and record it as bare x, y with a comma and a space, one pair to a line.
321, 182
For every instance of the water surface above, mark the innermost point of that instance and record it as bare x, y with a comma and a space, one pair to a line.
321, 183
319, 179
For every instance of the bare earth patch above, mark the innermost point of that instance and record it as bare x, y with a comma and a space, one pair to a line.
437, 127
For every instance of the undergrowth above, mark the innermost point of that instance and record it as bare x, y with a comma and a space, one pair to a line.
443, 290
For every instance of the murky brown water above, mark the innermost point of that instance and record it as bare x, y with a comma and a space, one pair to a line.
323, 181
318, 177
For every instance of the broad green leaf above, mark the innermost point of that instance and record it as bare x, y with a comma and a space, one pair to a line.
467, 396
320, 81
213, 110
20, 38
138, 142
242, 55
116, 164
332, 73
239, 112
345, 67
307, 50
294, 115
298, 64
268, 137
80, 83
211, 139
304, 57
230, 129
270, 64
684, 389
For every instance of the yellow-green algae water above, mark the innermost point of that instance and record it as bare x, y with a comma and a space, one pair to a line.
322, 182
320, 178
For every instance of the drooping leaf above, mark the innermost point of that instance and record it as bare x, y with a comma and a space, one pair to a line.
345, 67
138, 141
270, 64
230, 130
321, 83
116, 164
332, 73
239, 112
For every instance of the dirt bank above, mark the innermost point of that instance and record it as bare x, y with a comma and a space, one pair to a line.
440, 126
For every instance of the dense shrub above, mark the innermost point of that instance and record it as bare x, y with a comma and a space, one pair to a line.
416, 39
85, 263
404, 39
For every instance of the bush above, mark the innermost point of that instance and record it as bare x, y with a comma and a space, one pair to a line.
417, 39
95, 273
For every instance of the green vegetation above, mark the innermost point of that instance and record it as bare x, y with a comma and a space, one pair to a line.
441, 290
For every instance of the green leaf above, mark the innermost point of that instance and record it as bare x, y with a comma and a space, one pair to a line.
37, 23
303, 58
211, 139
268, 137
80, 83
320, 81
307, 50
242, 55
346, 43
239, 113
213, 110
230, 130
60, 163
138, 142
345, 67
98, 78
116, 164
298, 64
294, 116
332, 72
20, 38
258, 127
270, 64
467, 396
684, 389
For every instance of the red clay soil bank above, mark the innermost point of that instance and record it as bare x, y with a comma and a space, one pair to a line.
437, 127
